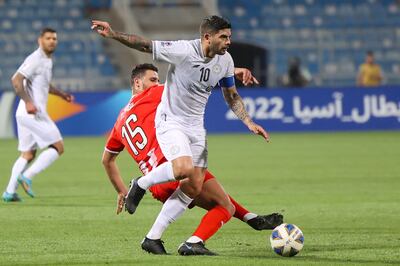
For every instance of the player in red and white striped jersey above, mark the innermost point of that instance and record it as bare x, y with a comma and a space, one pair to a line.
134, 130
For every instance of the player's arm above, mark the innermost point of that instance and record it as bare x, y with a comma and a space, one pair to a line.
17, 81
236, 104
66, 96
112, 170
131, 40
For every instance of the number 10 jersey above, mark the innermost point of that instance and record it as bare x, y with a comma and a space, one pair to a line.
190, 79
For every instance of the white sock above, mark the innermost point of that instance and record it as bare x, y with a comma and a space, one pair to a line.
161, 174
249, 216
194, 239
17, 169
172, 209
45, 159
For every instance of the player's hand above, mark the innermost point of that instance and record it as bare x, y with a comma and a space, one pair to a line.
259, 130
120, 202
31, 108
245, 76
103, 28
68, 97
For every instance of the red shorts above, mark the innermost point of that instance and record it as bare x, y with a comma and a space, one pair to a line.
162, 192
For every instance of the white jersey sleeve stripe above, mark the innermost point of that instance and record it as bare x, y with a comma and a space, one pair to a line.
110, 151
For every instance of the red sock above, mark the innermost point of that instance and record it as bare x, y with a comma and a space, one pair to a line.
212, 222
240, 210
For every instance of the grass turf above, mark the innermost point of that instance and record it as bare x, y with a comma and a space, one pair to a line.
341, 189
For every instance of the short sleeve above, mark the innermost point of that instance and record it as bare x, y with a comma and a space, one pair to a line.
172, 52
230, 72
114, 143
29, 67
229, 78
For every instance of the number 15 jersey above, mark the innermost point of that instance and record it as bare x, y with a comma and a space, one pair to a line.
134, 130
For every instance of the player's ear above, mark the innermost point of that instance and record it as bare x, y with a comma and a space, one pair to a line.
137, 82
207, 36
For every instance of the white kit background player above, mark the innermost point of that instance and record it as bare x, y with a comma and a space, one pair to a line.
35, 128
196, 66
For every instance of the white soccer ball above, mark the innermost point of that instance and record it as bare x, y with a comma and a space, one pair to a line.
287, 240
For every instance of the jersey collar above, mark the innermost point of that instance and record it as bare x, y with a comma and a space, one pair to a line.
43, 54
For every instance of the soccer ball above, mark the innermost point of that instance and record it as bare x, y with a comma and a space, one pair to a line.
287, 240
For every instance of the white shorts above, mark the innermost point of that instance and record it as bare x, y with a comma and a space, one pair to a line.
176, 141
34, 131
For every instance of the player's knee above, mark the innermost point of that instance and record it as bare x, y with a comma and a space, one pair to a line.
59, 148
227, 204
196, 190
191, 189
196, 186
29, 156
231, 209
192, 192
182, 171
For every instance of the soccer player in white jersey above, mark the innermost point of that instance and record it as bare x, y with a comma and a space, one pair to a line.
196, 66
35, 128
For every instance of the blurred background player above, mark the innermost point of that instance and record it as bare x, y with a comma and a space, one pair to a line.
370, 73
297, 76
35, 128
138, 118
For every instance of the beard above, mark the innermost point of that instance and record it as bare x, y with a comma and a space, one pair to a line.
218, 50
50, 50
222, 51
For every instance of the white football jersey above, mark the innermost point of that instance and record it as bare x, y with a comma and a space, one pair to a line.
37, 69
190, 79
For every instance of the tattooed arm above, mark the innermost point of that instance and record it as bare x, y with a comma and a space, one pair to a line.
236, 104
18, 83
131, 40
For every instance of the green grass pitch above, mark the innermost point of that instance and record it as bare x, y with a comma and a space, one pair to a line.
341, 189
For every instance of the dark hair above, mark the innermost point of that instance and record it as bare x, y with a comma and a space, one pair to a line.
213, 24
139, 70
370, 53
47, 29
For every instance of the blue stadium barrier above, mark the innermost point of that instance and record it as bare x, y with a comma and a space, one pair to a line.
317, 109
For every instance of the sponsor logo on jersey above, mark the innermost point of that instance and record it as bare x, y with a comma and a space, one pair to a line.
166, 44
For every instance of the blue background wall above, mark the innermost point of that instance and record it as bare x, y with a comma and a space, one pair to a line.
319, 109
311, 109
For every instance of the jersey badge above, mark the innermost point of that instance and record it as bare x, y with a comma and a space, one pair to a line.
216, 68
174, 149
